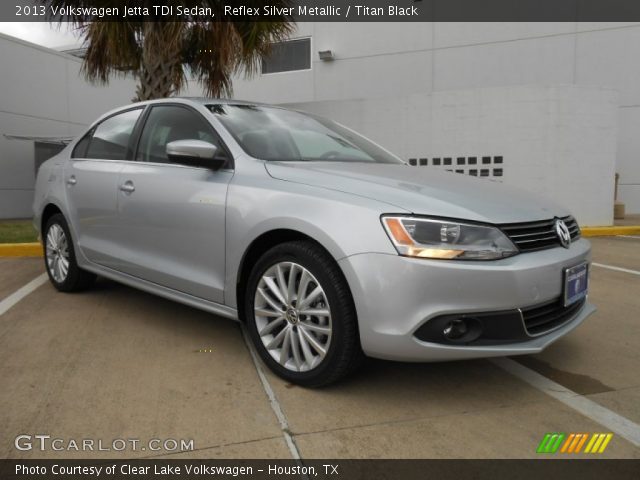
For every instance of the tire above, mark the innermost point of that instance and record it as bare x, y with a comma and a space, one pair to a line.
329, 324
60, 257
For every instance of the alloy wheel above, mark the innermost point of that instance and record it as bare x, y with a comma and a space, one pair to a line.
57, 252
292, 316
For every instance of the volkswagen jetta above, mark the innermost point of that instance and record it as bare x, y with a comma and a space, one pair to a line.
327, 246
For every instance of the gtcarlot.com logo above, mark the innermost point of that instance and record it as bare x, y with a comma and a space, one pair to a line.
574, 442
44, 442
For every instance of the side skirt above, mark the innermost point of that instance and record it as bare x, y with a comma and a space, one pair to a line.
161, 291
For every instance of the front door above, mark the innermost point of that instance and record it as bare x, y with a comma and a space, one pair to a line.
171, 223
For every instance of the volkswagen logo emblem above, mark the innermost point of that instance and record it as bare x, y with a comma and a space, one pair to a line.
291, 315
563, 233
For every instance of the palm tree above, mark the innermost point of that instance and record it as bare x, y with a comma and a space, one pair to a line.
159, 52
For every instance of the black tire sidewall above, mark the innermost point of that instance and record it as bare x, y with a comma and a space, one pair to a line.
71, 279
331, 282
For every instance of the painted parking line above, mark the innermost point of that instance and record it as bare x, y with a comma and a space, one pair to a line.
624, 427
616, 423
617, 269
40, 280
629, 236
273, 400
22, 292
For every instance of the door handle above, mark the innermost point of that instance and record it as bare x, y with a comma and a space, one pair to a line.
128, 187
72, 180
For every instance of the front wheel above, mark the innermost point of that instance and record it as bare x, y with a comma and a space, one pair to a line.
300, 315
60, 257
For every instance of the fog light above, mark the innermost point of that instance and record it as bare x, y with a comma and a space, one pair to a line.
455, 329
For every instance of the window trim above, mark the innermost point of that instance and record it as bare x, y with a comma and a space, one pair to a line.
310, 37
137, 132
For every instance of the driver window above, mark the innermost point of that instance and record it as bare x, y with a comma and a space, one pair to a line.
167, 123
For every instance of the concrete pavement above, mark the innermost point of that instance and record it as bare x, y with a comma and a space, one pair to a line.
114, 362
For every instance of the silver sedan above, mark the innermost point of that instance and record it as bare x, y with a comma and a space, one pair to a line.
325, 245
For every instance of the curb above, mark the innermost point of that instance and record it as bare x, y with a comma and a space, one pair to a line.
35, 249
610, 231
20, 249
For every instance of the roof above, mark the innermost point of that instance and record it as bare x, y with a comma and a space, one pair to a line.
224, 101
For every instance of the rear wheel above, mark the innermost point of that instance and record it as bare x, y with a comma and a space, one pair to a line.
60, 258
301, 316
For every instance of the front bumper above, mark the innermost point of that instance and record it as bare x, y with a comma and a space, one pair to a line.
394, 296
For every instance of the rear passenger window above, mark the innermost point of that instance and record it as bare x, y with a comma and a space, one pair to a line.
110, 139
80, 150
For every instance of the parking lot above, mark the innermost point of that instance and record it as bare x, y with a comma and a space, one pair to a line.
114, 362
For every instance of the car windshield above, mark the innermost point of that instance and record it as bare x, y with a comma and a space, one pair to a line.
271, 133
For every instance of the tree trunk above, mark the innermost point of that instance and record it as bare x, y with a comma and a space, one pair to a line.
160, 69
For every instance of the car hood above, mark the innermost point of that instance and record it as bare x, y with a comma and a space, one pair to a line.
424, 191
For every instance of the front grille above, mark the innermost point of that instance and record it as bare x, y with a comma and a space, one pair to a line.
548, 316
531, 236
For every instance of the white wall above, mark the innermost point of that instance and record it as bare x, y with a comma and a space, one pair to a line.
557, 141
43, 93
389, 59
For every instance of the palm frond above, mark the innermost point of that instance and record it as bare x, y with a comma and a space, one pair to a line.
214, 50
112, 47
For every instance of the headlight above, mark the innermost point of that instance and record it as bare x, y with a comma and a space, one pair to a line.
427, 238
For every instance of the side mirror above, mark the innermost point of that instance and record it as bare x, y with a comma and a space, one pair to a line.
195, 153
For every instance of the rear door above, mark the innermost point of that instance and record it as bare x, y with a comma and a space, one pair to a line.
171, 224
91, 178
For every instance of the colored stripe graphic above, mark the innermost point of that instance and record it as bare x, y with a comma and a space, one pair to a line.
594, 437
598, 442
558, 442
581, 443
606, 442
573, 442
543, 443
570, 439
550, 443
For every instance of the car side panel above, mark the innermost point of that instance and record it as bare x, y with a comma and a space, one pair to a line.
171, 228
92, 206
48, 180
258, 203
50, 190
